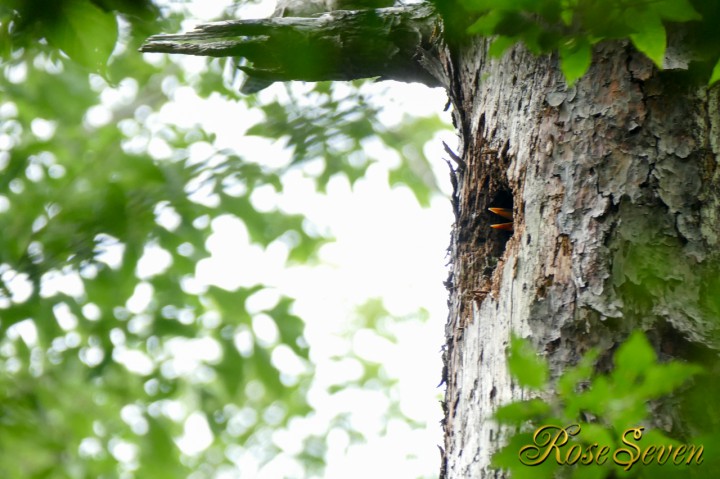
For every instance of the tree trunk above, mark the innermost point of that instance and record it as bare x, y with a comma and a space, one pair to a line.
616, 193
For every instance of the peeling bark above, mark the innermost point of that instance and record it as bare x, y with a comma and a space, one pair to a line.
616, 193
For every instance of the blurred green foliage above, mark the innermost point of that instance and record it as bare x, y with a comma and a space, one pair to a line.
91, 385
572, 27
604, 407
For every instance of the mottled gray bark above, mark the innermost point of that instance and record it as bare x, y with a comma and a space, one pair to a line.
616, 191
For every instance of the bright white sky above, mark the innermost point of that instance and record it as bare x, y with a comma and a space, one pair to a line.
386, 246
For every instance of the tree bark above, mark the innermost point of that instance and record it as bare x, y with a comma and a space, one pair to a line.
616, 193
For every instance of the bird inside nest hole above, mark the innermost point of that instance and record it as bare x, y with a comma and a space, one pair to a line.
502, 206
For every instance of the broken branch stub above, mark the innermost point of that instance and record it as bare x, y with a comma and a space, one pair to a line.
390, 43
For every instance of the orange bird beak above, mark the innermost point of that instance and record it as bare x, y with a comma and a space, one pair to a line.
505, 213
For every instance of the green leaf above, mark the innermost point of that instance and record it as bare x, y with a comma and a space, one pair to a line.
676, 10
662, 379
5, 36
715, 74
85, 33
594, 399
486, 24
568, 382
500, 44
519, 412
482, 5
507, 458
265, 372
159, 459
596, 433
525, 365
650, 38
575, 59
231, 369
290, 327
635, 355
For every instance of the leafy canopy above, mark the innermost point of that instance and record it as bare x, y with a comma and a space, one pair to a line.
106, 355
572, 27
